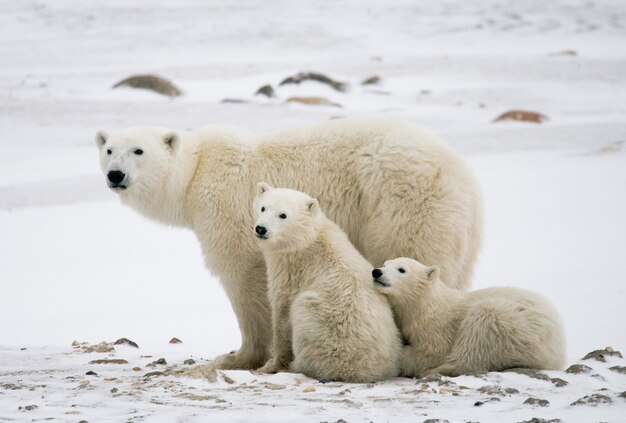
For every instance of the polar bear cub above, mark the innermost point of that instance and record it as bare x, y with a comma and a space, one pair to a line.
454, 332
328, 320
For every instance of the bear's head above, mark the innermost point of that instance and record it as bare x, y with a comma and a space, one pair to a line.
405, 278
285, 219
137, 160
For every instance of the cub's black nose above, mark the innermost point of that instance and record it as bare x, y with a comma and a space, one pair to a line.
260, 230
116, 176
377, 273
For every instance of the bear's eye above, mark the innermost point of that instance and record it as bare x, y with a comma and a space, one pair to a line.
401, 270
262, 209
109, 151
283, 216
139, 151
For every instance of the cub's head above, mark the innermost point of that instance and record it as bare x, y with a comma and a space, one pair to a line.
405, 278
136, 160
284, 219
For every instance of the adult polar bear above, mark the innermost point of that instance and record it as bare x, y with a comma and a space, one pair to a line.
393, 187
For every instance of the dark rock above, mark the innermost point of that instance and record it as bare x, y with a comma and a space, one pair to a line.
578, 369
323, 381
114, 390
175, 341
478, 403
619, 369
558, 382
593, 400
266, 90
150, 82
27, 407
435, 421
315, 76
126, 341
23, 349
151, 374
91, 373
536, 420
600, 354
537, 401
160, 361
511, 391
623, 395
372, 80
11, 386
189, 361
532, 373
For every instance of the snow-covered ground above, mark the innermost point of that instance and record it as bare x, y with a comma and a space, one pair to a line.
75, 264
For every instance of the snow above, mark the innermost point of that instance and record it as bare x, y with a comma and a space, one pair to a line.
75, 264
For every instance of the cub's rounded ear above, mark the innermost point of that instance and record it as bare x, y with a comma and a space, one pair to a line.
432, 273
261, 187
171, 139
101, 138
313, 206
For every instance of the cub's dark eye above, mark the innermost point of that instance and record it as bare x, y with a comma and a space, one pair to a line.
401, 270
262, 209
282, 216
139, 151
109, 151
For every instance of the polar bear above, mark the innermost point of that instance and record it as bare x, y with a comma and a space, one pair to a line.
453, 332
393, 187
320, 294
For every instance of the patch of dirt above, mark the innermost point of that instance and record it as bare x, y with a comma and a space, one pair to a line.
372, 80
84, 347
153, 83
522, 116
593, 400
313, 101
109, 361
537, 402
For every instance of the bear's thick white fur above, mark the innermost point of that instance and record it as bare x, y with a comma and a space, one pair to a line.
393, 187
454, 332
323, 303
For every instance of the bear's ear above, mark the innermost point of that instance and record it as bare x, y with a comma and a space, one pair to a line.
261, 187
313, 206
171, 139
101, 138
432, 273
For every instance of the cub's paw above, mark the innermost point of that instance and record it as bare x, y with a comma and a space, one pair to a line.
272, 366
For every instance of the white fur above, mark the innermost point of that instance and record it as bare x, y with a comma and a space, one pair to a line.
453, 332
393, 187
319, 290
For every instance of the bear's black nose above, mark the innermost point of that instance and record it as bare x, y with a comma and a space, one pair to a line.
377, 273
116, 176
260, 230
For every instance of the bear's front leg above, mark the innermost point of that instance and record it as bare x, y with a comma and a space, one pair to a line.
248, 297
282, 353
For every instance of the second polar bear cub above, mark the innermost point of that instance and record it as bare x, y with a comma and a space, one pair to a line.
453, 332
328, 320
